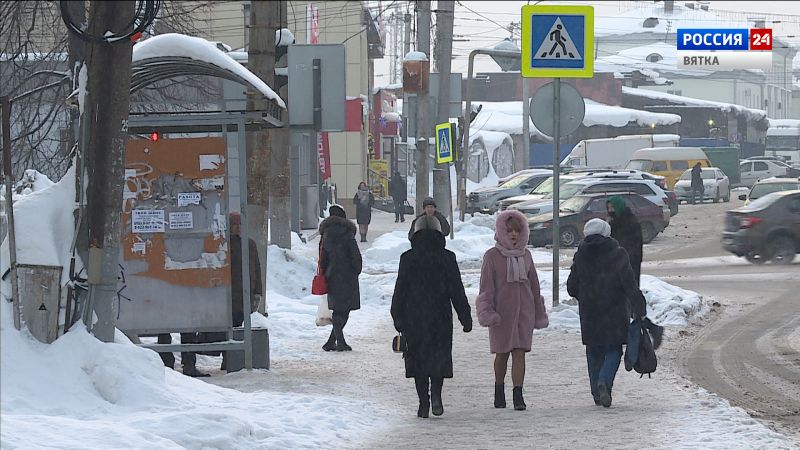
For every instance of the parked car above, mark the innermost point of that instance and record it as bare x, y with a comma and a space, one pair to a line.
574, 213
591, 185
752, 171
769, 186
540, 191
485, 199
768, 229
669, 162
716, 185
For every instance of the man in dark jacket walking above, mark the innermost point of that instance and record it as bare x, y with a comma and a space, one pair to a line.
602, 280
429, 209
341, 264
697, 182
427, 289
399, 192
625, 228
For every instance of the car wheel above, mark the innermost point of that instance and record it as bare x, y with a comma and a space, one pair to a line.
716, 196
648, 232
755, 258
727, 198
568, 236
781, 250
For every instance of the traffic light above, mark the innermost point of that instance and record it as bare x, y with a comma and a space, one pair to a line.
283, 39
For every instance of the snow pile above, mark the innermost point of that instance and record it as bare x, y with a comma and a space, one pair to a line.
81, 393
632, 20
507, 117
681, 100
179, 45
288, 273
31, 181
43, 222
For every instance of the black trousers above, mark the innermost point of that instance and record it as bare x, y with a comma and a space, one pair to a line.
188, 359
436, 384
339, 319
399, 209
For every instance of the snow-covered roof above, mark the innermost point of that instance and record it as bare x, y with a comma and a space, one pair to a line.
633, 20
180, 45
689, 101
416, 56
507, 117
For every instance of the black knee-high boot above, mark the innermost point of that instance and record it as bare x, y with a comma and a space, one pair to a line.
331, 344
422, 393
436, 396
339, 319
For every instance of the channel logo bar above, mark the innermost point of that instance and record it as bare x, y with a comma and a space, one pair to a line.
736, 39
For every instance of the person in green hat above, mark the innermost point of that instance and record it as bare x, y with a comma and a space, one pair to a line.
625, 228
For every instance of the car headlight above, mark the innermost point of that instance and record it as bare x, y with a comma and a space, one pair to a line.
531, 212
540, 226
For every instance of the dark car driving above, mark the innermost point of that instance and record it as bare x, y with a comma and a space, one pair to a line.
581, 208
768, 229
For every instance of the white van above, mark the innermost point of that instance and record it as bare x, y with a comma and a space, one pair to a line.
614, 153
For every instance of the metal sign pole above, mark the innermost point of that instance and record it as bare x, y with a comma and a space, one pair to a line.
9, 181
556, 186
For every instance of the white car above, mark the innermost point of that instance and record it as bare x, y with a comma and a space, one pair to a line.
716, 185
751, 171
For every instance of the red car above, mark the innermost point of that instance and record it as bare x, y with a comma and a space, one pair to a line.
579, 209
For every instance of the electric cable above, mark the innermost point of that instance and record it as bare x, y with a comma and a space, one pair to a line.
146, 12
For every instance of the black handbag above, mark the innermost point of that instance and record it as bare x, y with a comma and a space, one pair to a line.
399, 344
408, 209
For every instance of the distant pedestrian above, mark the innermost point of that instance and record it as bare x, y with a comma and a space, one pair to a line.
341, 264
509, 303
399, 192
697, 182
363, 201
428, 283
627, 230
429, 209
602, 280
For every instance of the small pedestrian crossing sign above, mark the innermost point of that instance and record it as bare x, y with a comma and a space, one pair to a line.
444, 143
557, 41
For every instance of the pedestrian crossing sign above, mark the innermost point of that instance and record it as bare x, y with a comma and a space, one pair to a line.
444, 143
557, 41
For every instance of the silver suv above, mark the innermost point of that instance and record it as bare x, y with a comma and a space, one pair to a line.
484, 200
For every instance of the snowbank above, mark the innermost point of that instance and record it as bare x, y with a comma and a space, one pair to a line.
681, 100
180, 45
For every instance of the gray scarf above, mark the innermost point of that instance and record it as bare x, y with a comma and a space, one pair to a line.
363, 196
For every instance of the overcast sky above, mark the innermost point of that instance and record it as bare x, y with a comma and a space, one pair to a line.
484, 26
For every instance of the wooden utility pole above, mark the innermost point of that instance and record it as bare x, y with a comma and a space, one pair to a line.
444, 46
109, 68
280, 176
423, 121
260, 61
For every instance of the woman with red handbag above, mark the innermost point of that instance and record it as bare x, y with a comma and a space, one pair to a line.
340, 264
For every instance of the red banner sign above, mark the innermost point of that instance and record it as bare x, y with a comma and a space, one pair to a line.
324, 155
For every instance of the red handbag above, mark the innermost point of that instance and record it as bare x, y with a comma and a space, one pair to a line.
319, 285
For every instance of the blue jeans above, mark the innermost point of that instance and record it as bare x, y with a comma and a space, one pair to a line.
603, 362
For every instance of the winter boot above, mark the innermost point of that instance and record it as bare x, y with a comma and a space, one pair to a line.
191, 371
424, 400
519, 403
342, 346
499, 396
603, 394
436, 396
331, 344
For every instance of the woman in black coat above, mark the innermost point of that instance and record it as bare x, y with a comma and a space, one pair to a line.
625, 228
428, 283
363, 201
602, 280
341, 264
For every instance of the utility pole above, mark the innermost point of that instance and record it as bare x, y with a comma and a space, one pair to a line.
423, 122
280, 174
109, 68
444, 44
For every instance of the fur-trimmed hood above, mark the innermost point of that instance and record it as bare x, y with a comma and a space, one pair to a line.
501, 235
337, 226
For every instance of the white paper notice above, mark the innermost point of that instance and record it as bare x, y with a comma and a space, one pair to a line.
188, 198
181, 220
211, 162
130, 173
147, 220
139, 247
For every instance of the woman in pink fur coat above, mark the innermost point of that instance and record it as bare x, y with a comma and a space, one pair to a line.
510, 303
